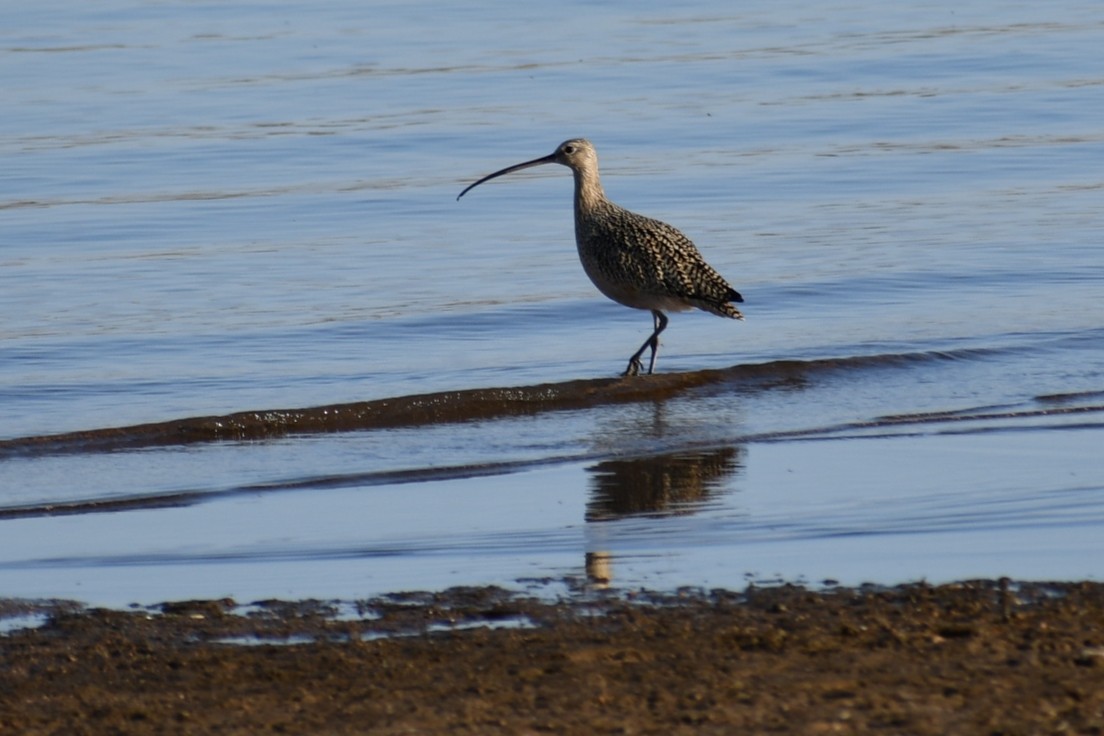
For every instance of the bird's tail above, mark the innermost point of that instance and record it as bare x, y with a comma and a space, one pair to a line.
721, 307
727, 310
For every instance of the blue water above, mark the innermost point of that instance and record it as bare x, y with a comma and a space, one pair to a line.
210, 208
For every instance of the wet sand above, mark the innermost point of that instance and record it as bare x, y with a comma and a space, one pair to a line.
446, 407
420, 409
978, 657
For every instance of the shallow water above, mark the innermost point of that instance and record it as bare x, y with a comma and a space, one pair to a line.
213, 209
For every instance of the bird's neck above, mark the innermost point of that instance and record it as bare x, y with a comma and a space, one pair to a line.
588, 190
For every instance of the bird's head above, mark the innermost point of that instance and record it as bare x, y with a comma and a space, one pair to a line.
577, 154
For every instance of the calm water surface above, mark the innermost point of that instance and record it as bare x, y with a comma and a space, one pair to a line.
212, 208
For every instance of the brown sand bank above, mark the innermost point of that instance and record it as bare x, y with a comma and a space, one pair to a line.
420, 409
958, 659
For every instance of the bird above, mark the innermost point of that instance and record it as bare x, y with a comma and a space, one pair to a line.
634, 260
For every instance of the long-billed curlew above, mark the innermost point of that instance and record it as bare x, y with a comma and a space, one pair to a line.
634, 260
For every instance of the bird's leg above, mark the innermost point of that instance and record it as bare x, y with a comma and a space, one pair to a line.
660, 326
659, 320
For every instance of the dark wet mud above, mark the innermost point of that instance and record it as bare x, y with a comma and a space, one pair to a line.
973, 658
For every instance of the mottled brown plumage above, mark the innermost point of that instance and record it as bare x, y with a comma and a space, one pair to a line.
632, 259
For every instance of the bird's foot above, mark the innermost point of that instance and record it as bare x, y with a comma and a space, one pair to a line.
635, 366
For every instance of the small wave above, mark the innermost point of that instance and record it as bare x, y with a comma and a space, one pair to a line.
460, 406
960, 421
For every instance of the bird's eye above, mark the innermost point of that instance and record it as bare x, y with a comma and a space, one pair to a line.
569, 149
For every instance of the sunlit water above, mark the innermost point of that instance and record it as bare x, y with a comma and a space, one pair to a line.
211, 208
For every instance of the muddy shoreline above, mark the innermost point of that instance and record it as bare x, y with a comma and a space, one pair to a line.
975, 657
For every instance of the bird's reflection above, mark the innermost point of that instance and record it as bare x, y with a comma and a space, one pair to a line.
673, 483
657, 485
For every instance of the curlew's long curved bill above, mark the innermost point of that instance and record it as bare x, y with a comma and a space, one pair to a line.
549, 159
